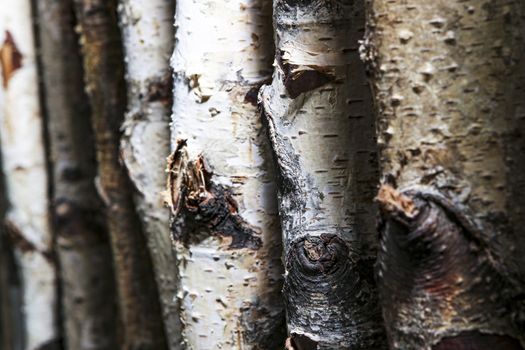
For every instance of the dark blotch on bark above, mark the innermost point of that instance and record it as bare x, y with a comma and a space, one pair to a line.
323, 274
478, 341
302, 342
433, 264
303, 80
216, 214
160, 90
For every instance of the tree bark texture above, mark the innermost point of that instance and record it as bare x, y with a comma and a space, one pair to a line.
148, 36
220, 184
139, 310
318, 114
24, 164
449, 82
82, 242
11, 322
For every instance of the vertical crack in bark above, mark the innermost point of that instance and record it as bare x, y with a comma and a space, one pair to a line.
200, 204
455, 284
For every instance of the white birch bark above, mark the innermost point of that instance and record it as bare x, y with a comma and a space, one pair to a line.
25, 171
147, 34
318, 112
226, 230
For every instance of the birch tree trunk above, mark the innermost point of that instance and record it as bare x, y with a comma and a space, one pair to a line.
147, 31
220, 185
88, 301
319, 119
449, 80
11, 323
24, 167
104, 74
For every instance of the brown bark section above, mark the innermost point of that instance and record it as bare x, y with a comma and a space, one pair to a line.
449, 83
104, 74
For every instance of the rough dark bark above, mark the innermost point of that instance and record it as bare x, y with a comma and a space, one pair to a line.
318, 114
449, 82
139, 308
82, 242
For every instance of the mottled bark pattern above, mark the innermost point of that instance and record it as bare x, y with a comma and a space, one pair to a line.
318, 116
220, 182
82, 243
449, 82
139, 308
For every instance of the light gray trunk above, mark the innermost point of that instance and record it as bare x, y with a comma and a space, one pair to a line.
449, 82
318, 114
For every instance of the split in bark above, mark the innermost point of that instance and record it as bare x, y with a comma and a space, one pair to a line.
139, 308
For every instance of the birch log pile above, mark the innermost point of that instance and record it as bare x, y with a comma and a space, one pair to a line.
139, 309
148, 35
449, 80
88, 303
220, 185
24, 166
318, 115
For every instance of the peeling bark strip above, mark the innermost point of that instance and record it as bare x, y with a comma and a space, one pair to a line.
104, 75
24, 167
82, 242
225, 223
449, 81
318, 117
147, 34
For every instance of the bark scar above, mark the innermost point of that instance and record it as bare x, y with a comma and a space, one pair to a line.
208, 206
10, 58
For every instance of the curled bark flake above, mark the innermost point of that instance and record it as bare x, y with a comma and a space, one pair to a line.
10, 58
209, 207
436, 278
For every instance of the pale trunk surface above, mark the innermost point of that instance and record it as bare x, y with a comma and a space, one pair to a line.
318, 113
82, 243
449, 80
148, 36
139, 309
220, 185
24, 167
